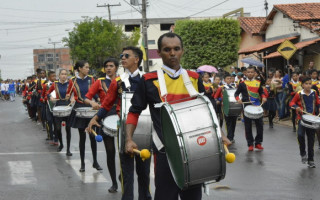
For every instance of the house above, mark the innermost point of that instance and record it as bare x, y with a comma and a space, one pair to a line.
299, 23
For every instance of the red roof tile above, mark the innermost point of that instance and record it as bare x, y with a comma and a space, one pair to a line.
313, 26
300, 11
299, 45
251, 25
263, 45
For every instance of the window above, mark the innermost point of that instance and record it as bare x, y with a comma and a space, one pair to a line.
165, 27
50, 66
41, 58
130, 27
57, 57
151, 42
49, 57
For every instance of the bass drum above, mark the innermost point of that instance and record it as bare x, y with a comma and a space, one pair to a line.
143, 133
193, 143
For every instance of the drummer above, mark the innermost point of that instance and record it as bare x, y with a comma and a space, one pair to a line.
100, 87
251, 91
231, 121
131, 58
170, 49
80, 85
60, 88
47, 113
306, 101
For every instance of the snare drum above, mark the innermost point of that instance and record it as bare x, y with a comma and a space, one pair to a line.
143, 134
110, 125
85, 112
253, 112
310, 121
230, 105
193, 145
61, 111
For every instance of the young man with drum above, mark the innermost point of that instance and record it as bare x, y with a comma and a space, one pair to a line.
251, 91
306, 103
231, 120
170, 49
46, 111
294, 86
100, 88
131, 59
60, 90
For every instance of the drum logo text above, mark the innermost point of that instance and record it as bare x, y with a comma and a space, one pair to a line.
201, 140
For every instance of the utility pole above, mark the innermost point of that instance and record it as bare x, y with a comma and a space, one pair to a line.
54, 54
145, 33
109, 5
266, 7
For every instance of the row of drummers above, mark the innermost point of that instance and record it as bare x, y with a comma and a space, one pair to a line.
76, 101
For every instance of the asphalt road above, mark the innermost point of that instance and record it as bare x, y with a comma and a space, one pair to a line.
31, 169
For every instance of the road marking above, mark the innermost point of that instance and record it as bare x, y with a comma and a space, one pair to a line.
91, 175
21, 173
39, 153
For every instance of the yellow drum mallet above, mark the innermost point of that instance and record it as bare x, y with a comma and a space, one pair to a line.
230, 157
144, 153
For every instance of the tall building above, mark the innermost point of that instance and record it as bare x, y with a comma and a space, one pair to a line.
52, 59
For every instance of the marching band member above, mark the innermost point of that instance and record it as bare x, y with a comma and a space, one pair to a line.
307, 101
48, 117
100, 87
131, 59
80, 85
60, 88
170, 48
270, 105
231, 121
40, 106
294, 86
251, 91
33, 101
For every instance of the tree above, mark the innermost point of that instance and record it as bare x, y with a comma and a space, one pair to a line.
209, 42
96, 39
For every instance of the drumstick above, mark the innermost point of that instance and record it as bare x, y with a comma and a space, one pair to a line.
75, 79
144, 153
230, 157
97, 137
303, 111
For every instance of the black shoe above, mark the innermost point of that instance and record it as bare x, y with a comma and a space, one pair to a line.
97, 166
294, 129
82, 169
60, 148
69, 153
113, 189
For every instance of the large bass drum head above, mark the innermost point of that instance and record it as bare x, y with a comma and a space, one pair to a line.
171, 143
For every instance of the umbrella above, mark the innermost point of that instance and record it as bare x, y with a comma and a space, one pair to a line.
251, 61
207, 68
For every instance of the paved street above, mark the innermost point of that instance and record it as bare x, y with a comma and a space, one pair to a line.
30, 169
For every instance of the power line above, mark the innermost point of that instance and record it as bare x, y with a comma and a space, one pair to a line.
208, 8
109, 5
46, 11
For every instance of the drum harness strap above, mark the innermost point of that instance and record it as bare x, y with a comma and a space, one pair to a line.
163, 92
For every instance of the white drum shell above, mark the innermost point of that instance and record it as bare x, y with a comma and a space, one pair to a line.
310, 121
110, 125
253, 112
61, 111
85, 112
143, 134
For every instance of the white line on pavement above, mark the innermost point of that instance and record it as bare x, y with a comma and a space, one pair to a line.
91, 175
21, 173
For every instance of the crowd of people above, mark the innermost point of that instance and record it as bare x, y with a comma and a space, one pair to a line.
281, 95
10, 88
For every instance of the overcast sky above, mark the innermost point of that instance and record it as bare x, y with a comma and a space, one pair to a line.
28, 24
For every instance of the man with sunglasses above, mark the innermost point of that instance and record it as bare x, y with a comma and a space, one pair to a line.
131, 58
170, 49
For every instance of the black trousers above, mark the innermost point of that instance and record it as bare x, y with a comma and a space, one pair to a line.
166, 188
248, 130
302, 131
271, 115
293, 117
231, 122
127, 176
58, 131
82, 145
